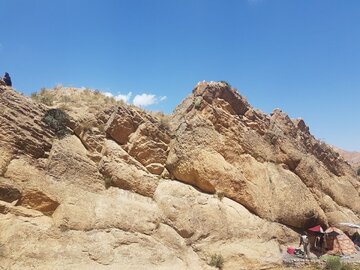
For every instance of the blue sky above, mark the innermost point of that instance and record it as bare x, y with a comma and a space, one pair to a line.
299, 55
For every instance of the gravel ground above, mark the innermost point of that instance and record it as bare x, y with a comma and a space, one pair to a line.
294, 262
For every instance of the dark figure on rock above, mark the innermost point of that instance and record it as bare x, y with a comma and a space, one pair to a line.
7, 79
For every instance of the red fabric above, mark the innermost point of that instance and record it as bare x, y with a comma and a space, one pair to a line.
316, 229
290, 250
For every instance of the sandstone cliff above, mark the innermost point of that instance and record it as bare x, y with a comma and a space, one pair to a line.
114, 187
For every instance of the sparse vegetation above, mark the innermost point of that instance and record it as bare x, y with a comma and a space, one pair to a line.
217, 260
65, 107
44, 96
348, 267
220, 195
358, 172
227, 84
107, 181
164, 120
72, 99
58, 121
197, 102
333, 263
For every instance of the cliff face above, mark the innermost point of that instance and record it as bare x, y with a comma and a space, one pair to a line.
122, 189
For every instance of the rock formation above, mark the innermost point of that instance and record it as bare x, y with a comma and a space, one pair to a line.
353, 157
124, 189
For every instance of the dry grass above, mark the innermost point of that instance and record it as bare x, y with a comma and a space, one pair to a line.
75, 100
163, 119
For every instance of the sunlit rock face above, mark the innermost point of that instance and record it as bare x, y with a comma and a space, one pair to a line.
127, 189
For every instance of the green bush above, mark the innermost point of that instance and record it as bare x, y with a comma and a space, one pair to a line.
217, 261
58, 121
333, 263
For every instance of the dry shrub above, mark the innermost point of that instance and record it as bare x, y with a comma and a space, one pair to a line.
217, 261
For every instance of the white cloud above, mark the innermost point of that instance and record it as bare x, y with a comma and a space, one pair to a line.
108, 94
124, 98
144, 100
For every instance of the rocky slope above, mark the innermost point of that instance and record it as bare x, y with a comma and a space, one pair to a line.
119, 188
353, 157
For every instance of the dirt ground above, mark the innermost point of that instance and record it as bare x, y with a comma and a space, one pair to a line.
293, 262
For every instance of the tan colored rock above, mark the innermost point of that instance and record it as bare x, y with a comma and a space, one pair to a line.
155, 168
267, 163
47, 248
204, 220
241, 181
165, 174
17, 167
352, 157
39, 201
149, 144
9, 193
90, 129
318, 177
89, 211
123, 122
5, 157
19, 211
125, 172
22, 129
68, 161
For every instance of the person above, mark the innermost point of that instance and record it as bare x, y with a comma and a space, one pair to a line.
356, 240
304, 241
7, 79
319, 243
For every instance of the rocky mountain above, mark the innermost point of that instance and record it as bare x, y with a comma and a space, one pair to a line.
352, 157
90, 183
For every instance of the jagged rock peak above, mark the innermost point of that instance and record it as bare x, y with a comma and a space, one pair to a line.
209, 91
